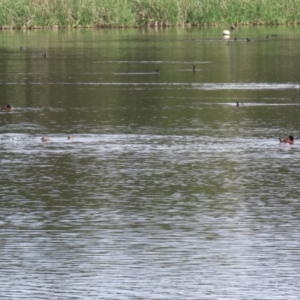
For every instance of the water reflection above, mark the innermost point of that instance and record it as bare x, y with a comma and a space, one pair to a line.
167, 189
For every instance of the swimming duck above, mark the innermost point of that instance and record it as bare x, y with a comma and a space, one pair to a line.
45, 139
70, 137
288, 140
7, 108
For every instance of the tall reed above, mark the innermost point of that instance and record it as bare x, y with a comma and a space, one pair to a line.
129, 13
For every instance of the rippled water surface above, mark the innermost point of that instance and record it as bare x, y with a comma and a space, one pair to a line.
167, 190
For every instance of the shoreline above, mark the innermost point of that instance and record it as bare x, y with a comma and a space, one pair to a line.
155, 25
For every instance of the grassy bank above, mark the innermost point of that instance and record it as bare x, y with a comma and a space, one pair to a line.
140, 13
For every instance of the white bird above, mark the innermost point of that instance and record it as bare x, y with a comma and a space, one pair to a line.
226, 32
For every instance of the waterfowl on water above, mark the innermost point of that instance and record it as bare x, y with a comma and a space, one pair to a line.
288, 140
226, 32
187, 23
237, 103
70, 137
45, 139
248, 40
7, 108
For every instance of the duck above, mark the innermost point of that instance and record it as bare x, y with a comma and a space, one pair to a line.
248, 40
288, 140
187, 23
45, 139
70, 137
7, 108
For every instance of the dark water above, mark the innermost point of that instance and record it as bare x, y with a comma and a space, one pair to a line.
167, 191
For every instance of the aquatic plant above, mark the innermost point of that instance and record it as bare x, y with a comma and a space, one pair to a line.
130, 13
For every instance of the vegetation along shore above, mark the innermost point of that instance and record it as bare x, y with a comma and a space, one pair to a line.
34, 14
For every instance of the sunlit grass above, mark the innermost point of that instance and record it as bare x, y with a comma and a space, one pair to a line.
129, 13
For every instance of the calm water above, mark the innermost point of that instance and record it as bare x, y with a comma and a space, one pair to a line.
168, 191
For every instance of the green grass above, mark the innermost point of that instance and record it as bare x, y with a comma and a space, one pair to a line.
139, 13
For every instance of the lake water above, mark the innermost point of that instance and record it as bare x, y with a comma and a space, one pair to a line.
167, 191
